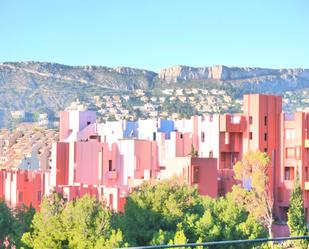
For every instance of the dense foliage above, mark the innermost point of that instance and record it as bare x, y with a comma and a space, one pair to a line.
169, 212
296, 215
83, 223
13, 224
173, 212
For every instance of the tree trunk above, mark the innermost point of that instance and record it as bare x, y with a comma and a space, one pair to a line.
270, 235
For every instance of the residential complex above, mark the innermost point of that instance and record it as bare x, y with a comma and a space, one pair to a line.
108, 160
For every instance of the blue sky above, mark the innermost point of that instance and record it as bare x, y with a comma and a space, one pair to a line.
155, 34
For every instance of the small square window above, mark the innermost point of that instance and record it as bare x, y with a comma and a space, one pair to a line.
265, 136
203, 137
250, 135
211, 154
110, 165
250, 119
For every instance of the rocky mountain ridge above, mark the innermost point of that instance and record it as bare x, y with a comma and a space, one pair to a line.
222, 73
50, 87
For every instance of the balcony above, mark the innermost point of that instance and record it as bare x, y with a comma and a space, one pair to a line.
112, 175
306, 143
232, 123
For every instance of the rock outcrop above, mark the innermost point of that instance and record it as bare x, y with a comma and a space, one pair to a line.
222, 73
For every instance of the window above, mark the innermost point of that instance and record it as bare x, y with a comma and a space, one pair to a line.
250, 119
265, 120
211, 153
211, 118
289, 133
265, 136
265, 150
306, 173
39, 196
250, 135
181, 136
195, 174
154, 136
88, 123
288, 173
203, 137
290, 152
110, 165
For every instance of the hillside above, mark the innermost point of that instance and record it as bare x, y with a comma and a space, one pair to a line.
34, 84
49, 87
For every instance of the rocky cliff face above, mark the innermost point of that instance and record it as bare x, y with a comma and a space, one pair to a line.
222, 73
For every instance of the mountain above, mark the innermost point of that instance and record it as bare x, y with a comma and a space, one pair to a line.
50, 87
29, 85
247, 78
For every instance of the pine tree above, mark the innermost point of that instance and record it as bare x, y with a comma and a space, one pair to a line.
296, 215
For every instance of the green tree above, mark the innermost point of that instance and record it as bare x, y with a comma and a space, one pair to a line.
158, 206
87, 224
227, 219
257, 196
173, 212
179, 238
6, 224
13, 224
82, 223
23, 216
296, 215
161, 237
48, 230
